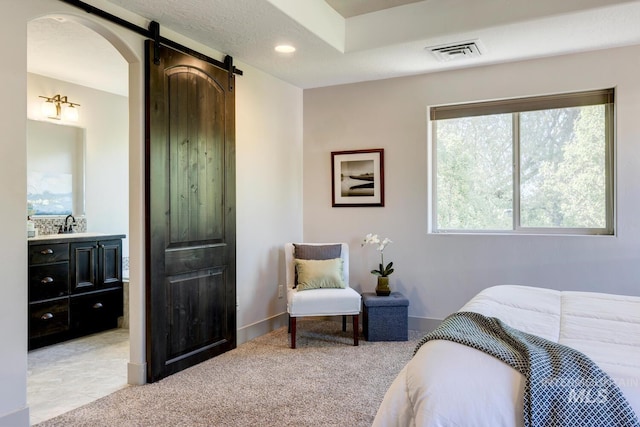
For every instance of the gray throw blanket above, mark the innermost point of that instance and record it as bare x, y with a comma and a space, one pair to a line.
563, 386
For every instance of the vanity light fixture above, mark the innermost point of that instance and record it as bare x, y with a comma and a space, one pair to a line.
52, 107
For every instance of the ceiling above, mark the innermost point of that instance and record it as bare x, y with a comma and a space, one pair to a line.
350, 8
342, 41
62, 49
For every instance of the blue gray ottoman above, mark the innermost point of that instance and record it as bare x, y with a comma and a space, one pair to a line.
385, 318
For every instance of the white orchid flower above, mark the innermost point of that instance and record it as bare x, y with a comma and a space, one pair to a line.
384, 243
373, 239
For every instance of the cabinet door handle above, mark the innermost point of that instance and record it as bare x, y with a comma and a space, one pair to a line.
46, 316
47, 280
97, 305
47, 251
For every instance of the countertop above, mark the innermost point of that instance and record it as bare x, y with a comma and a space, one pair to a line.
62, 238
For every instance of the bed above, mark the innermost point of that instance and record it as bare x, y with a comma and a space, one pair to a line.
450, 384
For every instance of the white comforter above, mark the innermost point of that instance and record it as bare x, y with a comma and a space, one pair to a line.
449, 384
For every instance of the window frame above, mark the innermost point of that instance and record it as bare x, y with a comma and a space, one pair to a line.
514, 106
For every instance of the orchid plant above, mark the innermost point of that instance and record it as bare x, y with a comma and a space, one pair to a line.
373, 239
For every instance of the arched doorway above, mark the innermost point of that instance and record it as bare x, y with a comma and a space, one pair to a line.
54, 50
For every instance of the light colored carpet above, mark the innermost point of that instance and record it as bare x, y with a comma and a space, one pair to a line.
326, 381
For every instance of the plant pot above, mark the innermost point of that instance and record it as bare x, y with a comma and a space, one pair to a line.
382, 289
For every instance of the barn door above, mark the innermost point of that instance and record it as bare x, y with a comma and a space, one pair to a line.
190, 137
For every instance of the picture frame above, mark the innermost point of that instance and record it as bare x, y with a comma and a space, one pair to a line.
357, 178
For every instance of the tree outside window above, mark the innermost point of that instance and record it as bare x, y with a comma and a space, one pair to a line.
532, 170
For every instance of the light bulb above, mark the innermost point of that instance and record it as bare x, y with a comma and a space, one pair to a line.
48, 109
71, 113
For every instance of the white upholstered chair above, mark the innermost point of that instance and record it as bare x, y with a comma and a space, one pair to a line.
324, 301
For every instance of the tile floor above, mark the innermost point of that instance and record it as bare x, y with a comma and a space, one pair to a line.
68, 375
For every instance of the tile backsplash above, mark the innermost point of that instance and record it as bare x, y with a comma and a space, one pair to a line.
51, 224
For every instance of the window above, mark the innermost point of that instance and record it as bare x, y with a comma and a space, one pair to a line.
533, 165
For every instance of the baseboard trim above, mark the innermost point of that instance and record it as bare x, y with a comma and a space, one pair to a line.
16, 419
423, 324
137, 373
249, 332
254, 330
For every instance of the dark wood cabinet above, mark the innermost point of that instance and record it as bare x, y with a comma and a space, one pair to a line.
84, 267
75, 286
96, 311
48, 253
48, 281
95, 265
48, 291
110, 263
48, 318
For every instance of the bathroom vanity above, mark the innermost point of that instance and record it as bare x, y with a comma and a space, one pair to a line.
75, 285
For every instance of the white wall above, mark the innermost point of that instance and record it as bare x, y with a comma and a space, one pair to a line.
438, 273
105, 118
268, 192
13, 245
269, 195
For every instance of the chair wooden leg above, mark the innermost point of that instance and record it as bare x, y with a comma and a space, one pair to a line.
292, 324
355, 329
344, 323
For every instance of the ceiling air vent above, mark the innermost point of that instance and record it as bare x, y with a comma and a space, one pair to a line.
449, 52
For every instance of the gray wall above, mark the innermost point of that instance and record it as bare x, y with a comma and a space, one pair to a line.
440, 272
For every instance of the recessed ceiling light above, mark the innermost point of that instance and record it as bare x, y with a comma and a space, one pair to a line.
285, 48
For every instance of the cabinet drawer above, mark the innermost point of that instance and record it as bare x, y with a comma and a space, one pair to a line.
43, 254
48, 281
48, 318
96, 311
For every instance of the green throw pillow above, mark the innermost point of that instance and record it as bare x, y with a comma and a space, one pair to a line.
316, 274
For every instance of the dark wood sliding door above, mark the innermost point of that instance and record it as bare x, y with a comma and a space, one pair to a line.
190, 138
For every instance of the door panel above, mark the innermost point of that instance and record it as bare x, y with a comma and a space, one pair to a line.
197, 156
191, 295
110, 265
83, 266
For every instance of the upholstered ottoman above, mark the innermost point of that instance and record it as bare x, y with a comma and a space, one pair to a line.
385, 318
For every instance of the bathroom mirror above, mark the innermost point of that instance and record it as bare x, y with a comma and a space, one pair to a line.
55, 168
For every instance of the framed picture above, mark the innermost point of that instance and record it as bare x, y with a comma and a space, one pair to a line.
357, 177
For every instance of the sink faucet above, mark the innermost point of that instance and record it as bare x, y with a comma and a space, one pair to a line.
67, 227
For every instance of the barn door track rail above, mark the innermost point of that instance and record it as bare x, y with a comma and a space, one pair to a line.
153, 33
